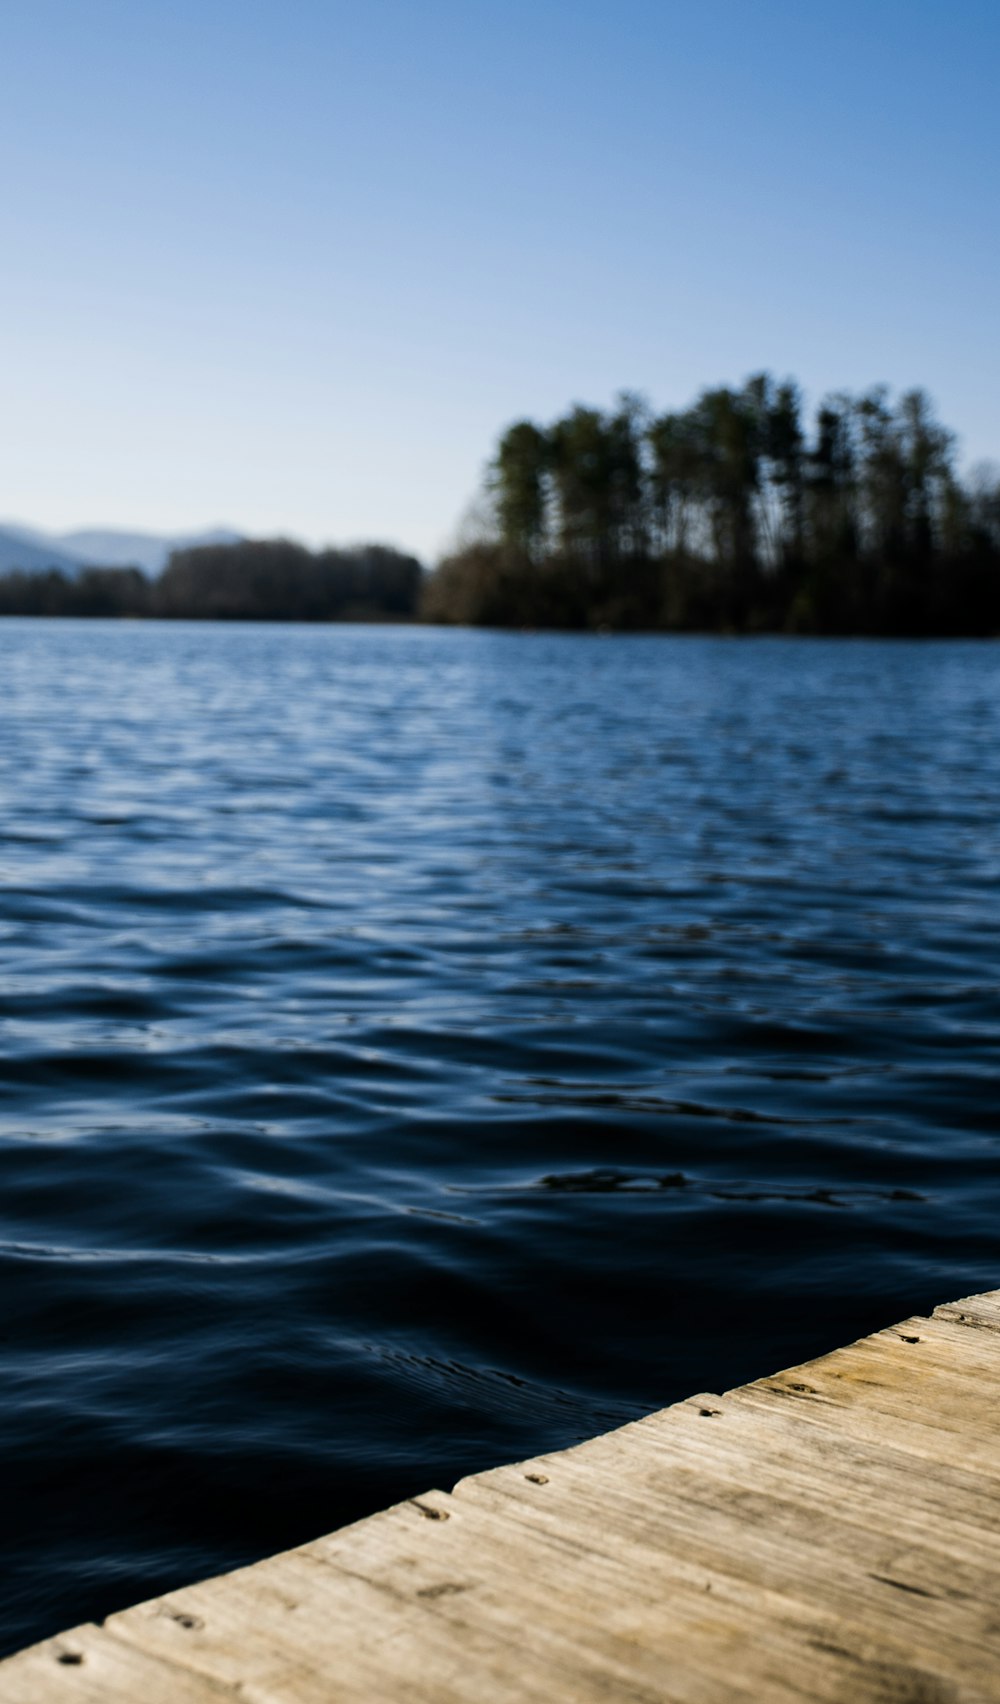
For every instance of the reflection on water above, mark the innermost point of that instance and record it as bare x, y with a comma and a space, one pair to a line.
421, 1049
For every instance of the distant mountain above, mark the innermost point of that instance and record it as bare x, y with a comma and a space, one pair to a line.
21, 548
106, 547
96, 547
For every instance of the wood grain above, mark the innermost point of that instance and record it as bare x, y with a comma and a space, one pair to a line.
831, 1532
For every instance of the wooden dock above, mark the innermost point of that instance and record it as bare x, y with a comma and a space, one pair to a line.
831, 1532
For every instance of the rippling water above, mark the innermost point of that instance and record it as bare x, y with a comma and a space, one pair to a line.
421, 1049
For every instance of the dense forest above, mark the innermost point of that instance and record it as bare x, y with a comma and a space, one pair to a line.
732, 515
252, 580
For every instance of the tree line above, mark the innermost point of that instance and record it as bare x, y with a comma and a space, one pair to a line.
732, 515
250, 580
735, 514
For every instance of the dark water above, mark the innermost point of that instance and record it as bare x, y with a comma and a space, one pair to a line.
421, 1049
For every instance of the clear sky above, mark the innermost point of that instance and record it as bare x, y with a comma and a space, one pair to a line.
292, 264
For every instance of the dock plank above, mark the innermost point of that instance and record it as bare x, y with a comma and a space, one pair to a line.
86, 1666
829, 1532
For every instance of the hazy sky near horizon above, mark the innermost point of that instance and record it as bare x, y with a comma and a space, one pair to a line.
293, 266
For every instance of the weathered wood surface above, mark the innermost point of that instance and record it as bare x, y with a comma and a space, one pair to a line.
832, 1532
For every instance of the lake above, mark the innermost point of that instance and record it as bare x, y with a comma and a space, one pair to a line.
426, 1048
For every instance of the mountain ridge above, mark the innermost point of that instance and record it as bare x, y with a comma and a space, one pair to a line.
34, 551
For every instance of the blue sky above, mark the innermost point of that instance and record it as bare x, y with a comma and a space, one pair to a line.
292, 266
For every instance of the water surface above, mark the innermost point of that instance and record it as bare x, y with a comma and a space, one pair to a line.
420, 1049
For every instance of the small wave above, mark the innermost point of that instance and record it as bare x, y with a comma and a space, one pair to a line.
494, 1390
608, 1180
